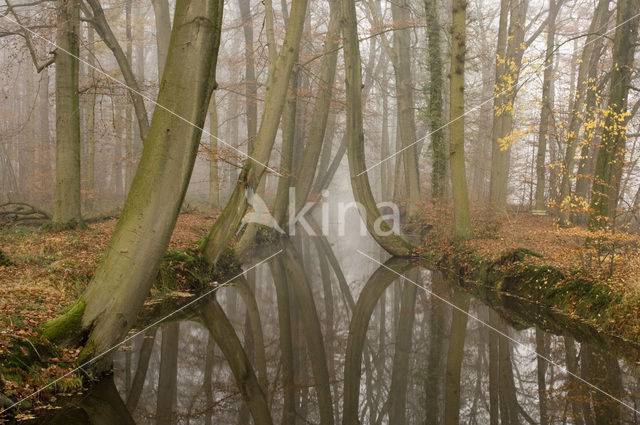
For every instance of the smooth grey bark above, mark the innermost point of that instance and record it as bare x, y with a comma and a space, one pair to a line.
383, 234
509, 61
163, 32
214, 178
108, 308
461, 213
316, 134
401, 60
227, 223
67, 205
547, 107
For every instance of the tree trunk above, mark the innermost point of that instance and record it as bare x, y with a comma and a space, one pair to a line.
461, 215
109, 306
606, 183
376, 225
319, 117
214, 179
508, 63
91, 127
436, 103
163, 32
547, 108
401, 59
67, 205
582, 84
227, 223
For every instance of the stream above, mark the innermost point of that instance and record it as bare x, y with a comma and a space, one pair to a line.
323, 334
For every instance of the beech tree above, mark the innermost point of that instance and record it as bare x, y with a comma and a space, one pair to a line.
461, 214
108, 307
67, 211
606, 185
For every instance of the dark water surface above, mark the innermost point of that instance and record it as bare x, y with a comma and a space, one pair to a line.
322, 335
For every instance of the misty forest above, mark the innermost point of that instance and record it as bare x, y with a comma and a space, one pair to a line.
319, 212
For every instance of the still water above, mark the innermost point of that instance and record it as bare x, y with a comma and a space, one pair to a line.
321, 334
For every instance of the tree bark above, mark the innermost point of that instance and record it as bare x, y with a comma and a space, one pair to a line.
461, 215
547, 108
67, 206
227, 223
610, 162
384, 235
163, 32
401, 59
436, 103
108, 308
508, 63
597, 25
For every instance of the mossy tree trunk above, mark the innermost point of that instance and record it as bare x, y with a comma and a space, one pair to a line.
67, 206
435, 112
109, 306
376, 225
462, 217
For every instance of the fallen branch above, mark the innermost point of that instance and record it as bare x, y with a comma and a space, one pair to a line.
21, 213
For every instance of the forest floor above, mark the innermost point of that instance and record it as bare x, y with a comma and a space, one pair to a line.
49, 271
591, 276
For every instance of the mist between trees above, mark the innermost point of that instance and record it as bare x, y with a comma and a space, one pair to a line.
141, 109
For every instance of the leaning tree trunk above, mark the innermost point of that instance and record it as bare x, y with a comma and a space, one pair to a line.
108, 308
376, 225
227, 223
320, 115
67, 206
461, 215
606, 184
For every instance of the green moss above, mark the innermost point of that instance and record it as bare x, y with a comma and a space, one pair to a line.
4, 260
66, 328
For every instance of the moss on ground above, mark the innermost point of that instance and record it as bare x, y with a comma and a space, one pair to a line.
574, 294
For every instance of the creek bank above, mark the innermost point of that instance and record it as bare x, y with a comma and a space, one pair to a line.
598, 311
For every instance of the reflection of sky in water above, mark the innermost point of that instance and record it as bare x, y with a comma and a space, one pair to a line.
188, 379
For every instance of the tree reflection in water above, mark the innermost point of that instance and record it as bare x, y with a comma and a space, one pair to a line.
303, 341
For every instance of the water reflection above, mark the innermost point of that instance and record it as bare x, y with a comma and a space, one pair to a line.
295, 342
